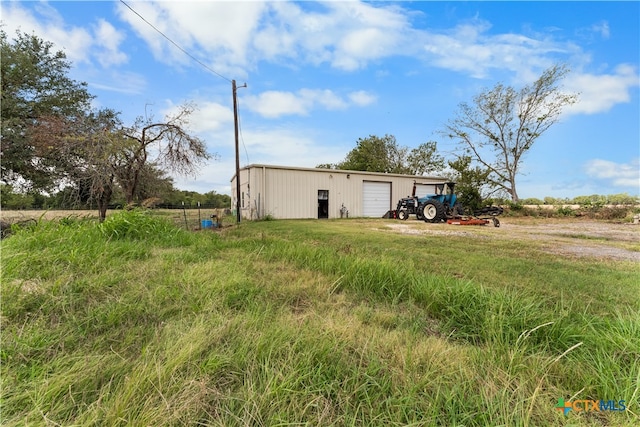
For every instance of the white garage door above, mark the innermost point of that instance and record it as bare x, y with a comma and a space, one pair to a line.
376, 198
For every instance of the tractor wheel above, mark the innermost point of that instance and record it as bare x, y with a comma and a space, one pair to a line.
403, 214
433, 211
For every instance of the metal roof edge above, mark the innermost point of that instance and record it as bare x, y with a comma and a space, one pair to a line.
343, 171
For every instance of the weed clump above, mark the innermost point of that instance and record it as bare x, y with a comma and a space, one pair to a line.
138, 224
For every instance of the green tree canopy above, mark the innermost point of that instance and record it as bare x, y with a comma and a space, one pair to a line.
470, 182
383, 154
425, 160
35, 84
376, 154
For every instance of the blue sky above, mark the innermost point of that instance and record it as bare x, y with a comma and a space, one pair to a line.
320, 75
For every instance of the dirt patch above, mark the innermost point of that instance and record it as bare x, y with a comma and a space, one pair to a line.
570, 237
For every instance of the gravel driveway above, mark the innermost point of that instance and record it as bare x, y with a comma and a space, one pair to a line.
568, 237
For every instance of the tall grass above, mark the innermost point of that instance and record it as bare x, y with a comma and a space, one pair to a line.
136, 322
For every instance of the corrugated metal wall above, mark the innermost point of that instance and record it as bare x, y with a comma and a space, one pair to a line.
284, 192
294, 193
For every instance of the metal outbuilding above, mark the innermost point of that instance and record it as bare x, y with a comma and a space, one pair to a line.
288, 192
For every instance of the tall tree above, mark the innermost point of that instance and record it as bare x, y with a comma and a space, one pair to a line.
35, 84
502, 124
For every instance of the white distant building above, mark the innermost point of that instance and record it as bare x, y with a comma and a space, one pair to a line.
288, 192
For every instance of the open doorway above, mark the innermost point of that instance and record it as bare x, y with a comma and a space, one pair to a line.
323, 204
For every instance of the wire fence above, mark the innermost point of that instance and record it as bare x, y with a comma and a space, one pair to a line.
199, 218
189, 217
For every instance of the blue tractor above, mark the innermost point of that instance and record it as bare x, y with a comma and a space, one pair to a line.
436, 207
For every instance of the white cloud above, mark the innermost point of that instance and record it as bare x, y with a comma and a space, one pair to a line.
358, 34
120, 81
239, 34
233, 37
362, 98
602, 29
154, 17
357, 48
287, 147
100, 40
109, 39
471, 48
326, 98
273, 104
600, 93
617, 174
351, 35
206, 117
221, 30
47, 24
95, 52
211, 117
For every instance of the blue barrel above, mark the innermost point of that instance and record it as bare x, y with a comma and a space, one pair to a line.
207, 223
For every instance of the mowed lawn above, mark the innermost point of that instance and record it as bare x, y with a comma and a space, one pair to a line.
336, 322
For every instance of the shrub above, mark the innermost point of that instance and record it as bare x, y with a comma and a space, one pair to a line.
516, 207
565, 211
611, 213
510, 208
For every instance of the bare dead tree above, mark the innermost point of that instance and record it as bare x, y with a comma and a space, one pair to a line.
502, 124
167, 144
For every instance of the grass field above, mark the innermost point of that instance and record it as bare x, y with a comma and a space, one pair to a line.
337, 322
189, 218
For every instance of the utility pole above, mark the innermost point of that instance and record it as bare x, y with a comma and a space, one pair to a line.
235, 121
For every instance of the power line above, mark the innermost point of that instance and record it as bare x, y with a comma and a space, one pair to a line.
174, 43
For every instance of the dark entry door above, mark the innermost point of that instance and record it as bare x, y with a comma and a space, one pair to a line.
323, 204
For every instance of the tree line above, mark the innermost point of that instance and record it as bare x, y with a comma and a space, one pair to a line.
67, 199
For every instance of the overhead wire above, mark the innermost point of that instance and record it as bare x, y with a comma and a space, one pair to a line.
190, 56
175, 44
